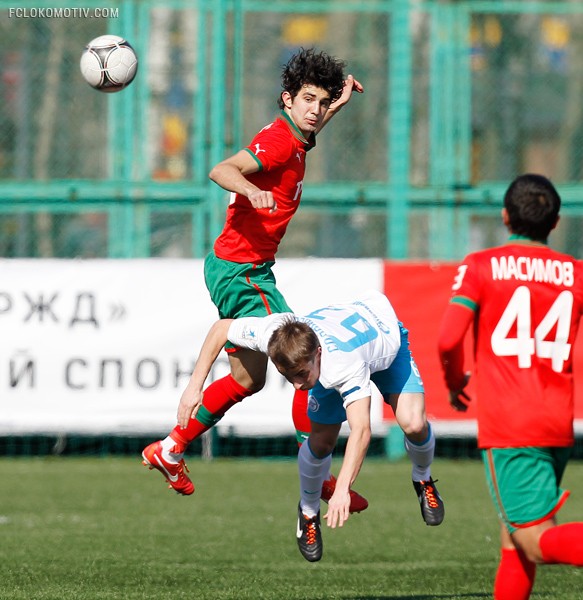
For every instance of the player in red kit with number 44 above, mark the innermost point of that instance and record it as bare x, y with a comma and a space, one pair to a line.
525, 301
265, 180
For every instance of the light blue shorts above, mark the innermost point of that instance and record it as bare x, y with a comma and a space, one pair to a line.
327, 407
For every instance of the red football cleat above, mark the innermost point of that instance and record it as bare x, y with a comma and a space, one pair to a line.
357, 502
173, 472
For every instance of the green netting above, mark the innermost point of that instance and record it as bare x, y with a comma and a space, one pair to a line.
107, 444
461, 447
460, 97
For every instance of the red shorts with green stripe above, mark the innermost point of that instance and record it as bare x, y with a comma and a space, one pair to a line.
242, 289
524, 483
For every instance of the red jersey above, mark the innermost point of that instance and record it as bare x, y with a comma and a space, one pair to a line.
528, 300
251, 235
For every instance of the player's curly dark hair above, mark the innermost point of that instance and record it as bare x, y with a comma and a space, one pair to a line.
533, 205
308, 67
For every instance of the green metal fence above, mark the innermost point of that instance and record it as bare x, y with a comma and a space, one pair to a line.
460, 97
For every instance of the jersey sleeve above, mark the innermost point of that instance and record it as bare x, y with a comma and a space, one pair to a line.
254, 333
466, 285
454, 326
356, 386
456, 321
271, 148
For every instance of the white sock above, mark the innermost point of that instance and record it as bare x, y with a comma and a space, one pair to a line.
313, 473
421, 456
167, 445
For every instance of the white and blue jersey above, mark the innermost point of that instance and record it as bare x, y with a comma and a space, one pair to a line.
361, 341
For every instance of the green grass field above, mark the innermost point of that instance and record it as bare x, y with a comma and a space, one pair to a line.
101, 528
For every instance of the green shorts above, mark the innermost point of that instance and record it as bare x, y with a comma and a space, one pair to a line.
524, 483
242, 289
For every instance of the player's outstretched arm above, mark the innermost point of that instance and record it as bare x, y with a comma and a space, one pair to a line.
358, 415
191, 398
350, 85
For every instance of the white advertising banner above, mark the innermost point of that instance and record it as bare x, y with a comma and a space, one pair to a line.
107, 346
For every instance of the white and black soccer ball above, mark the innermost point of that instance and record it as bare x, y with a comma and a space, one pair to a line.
109, 63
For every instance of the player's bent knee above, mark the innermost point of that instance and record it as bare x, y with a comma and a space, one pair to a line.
253, 384
534, 555
527, 541
415, 428
320, 447
256, 386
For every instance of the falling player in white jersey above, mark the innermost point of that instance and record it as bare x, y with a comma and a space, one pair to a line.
336, 352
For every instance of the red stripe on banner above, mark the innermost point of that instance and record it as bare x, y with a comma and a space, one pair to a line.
420, 292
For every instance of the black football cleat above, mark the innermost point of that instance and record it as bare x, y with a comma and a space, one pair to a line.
432, 509
309, 536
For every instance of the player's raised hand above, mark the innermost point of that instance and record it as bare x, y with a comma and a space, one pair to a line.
338, 509
350, 85
356, 85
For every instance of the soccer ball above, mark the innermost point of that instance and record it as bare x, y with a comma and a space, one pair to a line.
109, 63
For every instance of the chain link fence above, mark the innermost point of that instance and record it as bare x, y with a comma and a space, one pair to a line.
460, 98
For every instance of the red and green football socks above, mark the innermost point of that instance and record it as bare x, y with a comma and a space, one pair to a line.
515, 576
300, 416
563, 544
219, 397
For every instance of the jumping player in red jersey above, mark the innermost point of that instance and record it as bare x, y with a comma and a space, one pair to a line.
265, 180
525, 301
